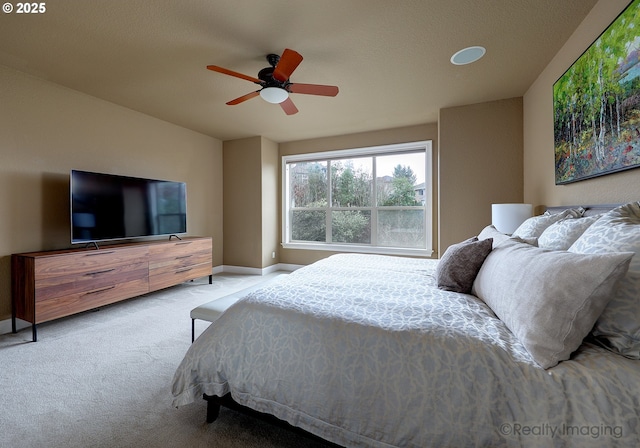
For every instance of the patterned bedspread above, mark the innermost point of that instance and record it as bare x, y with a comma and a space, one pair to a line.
364, 350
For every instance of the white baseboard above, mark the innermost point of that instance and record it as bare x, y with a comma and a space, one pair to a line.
256, 271
288, 267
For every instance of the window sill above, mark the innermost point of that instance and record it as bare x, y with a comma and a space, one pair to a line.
427, 253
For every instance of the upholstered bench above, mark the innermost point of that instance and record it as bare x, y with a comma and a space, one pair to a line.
210, 311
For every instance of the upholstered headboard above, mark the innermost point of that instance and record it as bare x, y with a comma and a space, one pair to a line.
590, 209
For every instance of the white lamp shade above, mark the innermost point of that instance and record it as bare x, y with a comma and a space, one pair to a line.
506, 218
274, 95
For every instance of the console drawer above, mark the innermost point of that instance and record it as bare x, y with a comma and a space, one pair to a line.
179, 249
168, 266
87, 261
99, 277
76, 303
170, 277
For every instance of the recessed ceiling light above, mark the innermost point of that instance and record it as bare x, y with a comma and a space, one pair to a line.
468, 55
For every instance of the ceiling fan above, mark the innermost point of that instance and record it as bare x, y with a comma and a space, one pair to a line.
275, 82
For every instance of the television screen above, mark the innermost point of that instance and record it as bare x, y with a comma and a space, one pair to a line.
110, 207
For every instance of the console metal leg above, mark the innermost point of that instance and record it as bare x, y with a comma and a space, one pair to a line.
211, 279
35, 334
193, 330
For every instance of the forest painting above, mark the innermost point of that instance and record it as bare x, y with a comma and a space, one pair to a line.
597, 105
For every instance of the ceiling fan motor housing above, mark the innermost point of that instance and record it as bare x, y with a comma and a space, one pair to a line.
273, 59
266, 76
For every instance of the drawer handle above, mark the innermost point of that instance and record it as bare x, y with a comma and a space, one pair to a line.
183, 256
98, 291
91, 274
98, 253
180, 271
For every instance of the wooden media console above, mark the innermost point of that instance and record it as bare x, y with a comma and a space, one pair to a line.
54, 284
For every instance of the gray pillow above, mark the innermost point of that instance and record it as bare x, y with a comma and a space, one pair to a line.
618, 230
498, 237
534, 226
562, 234
459, 265
548, 299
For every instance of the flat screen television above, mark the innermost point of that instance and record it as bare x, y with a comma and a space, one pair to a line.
110, 207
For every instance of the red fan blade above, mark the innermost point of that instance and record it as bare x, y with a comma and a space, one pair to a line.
288, 107
313, 89
244, 98
225, 71
289, 61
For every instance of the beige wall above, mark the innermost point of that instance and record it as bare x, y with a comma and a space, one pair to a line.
250, 202
539, 176
242, 202
382, 137
46, 130
480, 163
270, 201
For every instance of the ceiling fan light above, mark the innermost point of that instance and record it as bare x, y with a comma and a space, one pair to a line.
274, 95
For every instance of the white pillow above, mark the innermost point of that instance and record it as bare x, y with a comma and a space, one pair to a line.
618, 230
548, 299
562, 234
491, 232
534, 226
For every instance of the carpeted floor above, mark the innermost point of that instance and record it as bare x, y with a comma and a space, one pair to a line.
103, 378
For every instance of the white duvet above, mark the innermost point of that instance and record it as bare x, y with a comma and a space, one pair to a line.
365, 350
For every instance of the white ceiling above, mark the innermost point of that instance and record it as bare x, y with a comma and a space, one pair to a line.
390, 58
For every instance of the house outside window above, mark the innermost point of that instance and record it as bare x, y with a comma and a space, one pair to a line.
372, 200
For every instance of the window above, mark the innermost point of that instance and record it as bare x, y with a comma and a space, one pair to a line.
359, 200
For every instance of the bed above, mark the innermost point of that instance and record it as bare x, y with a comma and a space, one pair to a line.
383, 351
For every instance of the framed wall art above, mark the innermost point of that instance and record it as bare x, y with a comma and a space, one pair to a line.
596, 105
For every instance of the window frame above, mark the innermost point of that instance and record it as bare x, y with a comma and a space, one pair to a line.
393, 149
